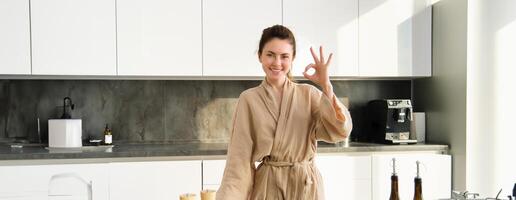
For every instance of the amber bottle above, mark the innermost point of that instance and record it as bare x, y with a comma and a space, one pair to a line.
394, 182
418, 190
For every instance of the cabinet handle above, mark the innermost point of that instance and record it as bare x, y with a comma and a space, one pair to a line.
75, 176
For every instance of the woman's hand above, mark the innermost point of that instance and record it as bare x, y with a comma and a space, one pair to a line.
321, 76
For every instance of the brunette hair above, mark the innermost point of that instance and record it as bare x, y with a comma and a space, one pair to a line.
282, 33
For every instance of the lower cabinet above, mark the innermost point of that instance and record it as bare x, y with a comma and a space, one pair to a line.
53, 182
363, 176
154, 180
212, 172
345, 177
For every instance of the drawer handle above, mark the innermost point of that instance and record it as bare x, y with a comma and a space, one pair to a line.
75, 176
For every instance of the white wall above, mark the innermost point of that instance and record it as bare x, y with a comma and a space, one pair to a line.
470, 100
491, 96
443, 96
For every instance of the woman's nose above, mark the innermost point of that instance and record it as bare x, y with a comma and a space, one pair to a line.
277, 61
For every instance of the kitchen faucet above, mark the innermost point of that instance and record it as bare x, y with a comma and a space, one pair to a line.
67, 115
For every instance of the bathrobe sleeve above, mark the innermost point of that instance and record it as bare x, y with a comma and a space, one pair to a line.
332, 119
239, 172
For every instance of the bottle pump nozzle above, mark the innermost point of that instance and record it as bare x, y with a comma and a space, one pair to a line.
393, 166
417, 164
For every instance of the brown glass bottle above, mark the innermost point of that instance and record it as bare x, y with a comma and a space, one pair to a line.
418, 190
394, 188
394, 182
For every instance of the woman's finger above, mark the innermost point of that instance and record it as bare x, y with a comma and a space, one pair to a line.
321, 54
308, 66
329, 59
313, 55
309, 77
306, 75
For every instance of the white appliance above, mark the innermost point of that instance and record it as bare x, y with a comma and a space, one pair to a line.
64, 133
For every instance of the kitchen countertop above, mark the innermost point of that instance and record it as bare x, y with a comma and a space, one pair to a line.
203, 150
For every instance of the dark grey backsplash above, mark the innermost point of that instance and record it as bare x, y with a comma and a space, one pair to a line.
153, 110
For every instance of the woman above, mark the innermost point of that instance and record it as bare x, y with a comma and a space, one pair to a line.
278, 124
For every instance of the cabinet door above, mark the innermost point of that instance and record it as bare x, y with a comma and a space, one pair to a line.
154, 180
73, 37
212, 173
345, 175
330, 23
159, 38
73, 181
435, 171
395, 37
231, 33
14, 37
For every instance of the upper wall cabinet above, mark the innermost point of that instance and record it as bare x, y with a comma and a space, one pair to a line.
395, 37
330, 23
231, 32
73, 37
14, 37
159, 37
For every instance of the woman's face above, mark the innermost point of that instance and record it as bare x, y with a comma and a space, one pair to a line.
276, 59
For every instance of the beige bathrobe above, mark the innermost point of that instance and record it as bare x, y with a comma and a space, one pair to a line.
283, 137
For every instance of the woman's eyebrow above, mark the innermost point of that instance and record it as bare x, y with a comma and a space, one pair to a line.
280, 54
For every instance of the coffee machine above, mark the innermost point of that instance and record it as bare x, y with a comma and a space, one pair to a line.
389, 120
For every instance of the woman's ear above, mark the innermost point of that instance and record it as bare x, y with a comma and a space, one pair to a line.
259, 57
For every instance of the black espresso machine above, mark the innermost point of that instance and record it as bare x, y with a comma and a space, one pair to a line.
388, 121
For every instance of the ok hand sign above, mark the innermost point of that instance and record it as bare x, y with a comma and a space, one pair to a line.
321, 76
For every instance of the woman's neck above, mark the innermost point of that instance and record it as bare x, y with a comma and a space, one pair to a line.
277, 84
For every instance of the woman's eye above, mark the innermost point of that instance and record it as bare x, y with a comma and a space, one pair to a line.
285, 57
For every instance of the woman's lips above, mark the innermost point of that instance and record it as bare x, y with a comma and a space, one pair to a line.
275, 70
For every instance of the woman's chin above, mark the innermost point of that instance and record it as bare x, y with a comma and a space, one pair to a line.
276, 77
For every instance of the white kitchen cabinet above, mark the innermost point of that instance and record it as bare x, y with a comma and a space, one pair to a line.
154, 180
212, 173
395, 37
331, 23
231, 33
435, 171
14, 37
159, 38
73, 37
70, 181
345, 175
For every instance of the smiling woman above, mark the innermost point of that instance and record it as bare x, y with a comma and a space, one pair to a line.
276, 52
278, 124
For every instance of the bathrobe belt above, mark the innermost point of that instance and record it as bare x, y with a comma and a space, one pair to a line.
301, 168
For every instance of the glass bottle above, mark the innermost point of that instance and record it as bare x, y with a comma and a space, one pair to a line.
418, 190
108, 137
394, 182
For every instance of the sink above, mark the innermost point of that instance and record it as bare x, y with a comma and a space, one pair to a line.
21, 145
101, 148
